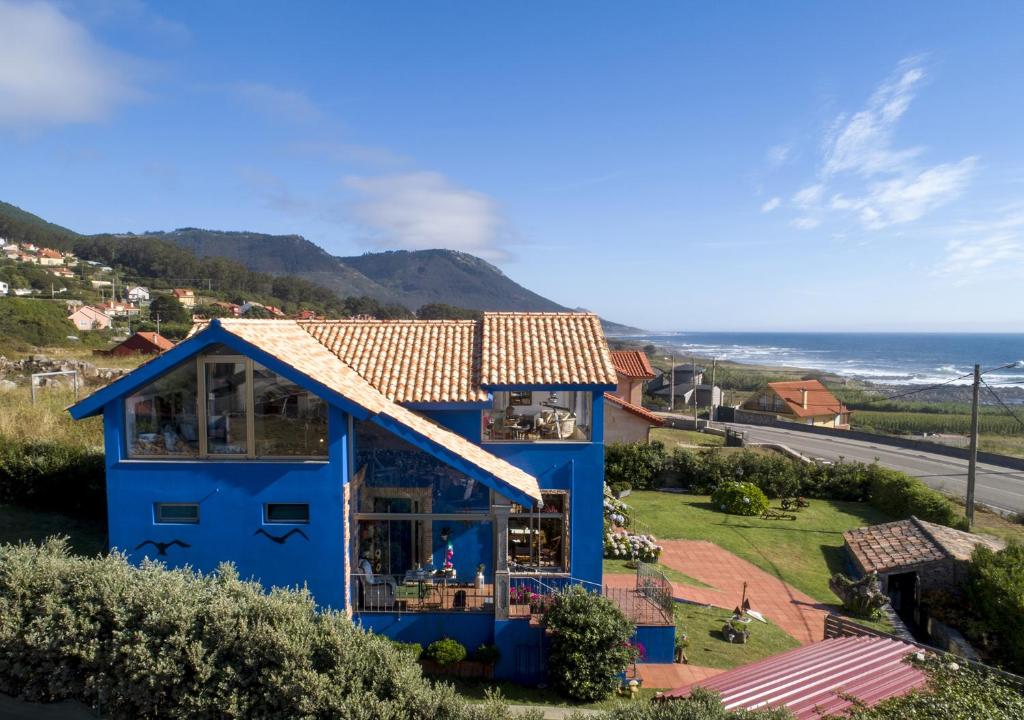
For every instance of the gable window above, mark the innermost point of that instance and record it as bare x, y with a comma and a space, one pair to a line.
293, 513
176, 513
162, 418
538, 536
556, 415
225, 406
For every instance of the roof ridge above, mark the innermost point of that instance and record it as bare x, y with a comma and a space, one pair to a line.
920, 525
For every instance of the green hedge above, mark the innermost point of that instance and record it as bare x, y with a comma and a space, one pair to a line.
702, 471
53, 476
739, 498
995, 594
149, 642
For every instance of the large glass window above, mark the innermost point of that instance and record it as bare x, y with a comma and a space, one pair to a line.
519, 416
538, 537
227, 395
288, 419
161, 418
246, 409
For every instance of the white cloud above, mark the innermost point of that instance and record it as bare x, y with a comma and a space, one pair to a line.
777, 155
810, 195
906, 199
983, 249
805, 223
275, 102
53, 72
423, 210
771, 204
863, 143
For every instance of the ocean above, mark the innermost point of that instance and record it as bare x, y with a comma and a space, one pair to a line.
887, 358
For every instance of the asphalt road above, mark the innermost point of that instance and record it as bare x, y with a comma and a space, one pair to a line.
999, 487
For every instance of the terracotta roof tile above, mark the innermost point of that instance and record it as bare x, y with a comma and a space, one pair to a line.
635, 409
409, 360
632, 363
889, 546
158, 340
545, 349
819, 400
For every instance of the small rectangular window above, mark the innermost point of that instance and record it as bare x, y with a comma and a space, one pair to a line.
286, 513
177, 512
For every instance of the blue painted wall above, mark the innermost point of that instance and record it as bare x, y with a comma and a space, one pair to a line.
469, 628
659, 642
231, 497
576, 467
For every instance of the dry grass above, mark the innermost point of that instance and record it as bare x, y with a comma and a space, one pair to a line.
47, 419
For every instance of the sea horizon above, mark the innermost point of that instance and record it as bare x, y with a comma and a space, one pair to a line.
891, 358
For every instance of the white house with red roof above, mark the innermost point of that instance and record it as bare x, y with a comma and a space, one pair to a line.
625, 418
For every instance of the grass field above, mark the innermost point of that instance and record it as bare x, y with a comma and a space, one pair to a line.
804, 553
708, 648
672, 437
618, 567
47, 419
18, 524
906, 423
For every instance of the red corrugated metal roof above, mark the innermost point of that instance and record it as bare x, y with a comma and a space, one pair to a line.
814, 681
632, 363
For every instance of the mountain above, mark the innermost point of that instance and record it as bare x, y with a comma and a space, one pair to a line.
400, 277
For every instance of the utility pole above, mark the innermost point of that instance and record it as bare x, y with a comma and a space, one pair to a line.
972, 463
714, 367
672, 386
693, 388
158, 323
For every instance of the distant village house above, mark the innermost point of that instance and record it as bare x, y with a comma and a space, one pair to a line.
88, 318
141, 343
185, 296
807, 402
138, 294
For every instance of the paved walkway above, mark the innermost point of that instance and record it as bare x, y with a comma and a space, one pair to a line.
673, 675
798, 614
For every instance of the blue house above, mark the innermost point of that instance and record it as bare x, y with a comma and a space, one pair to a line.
430, 478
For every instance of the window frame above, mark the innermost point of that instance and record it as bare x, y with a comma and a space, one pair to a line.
198, 364
533, 519
159, 520
268, 521
492, 414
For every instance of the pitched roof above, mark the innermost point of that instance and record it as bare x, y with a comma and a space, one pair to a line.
635, 409
156, 339
818, 680
182, 292
819, 400
545, 349
904, 543
409, 360
632, 363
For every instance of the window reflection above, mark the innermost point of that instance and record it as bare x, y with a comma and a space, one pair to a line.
162, 418
288, 420
226, 402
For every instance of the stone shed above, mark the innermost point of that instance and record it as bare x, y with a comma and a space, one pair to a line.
914, 556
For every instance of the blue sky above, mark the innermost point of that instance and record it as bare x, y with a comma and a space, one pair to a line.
716, 166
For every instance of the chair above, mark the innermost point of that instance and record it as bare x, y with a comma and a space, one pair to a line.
377, 591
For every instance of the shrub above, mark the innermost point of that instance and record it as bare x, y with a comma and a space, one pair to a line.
411, 650
589, 644
53, 476
995, 593
638, 464
628, 546
901, 496
445, 651
740, 498
151, 642
487, 654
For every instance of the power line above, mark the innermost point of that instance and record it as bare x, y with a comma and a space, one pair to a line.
1000, 401
938, 385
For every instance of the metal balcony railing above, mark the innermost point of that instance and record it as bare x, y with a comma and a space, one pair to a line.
420, 593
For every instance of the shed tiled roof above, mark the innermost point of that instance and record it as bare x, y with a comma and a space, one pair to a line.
545, 349
633, 363
819, 400
906, 543
818, 680
635, 409
409, 360
158, 341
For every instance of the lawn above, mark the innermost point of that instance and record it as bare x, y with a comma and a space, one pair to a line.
804, 553
18, 524
618, 567
703, 625
672, 437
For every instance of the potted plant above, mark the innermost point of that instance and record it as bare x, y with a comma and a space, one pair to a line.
682, 642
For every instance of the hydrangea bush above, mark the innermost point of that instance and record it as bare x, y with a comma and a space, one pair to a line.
740, 498
628, 546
